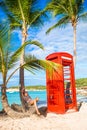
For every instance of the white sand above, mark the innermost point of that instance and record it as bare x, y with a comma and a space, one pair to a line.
70, 121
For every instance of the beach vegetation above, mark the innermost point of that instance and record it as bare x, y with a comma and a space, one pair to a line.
23, 14
81, 83
33, 87
67, 12
9, 60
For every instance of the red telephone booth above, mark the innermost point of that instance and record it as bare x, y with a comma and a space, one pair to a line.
61, 91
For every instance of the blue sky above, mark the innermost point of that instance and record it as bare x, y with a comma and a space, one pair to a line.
58, 40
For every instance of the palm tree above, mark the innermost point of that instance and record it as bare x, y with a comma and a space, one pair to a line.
22, 14
70, 11
9, 59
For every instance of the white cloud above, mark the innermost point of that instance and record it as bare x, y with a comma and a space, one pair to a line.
59, 40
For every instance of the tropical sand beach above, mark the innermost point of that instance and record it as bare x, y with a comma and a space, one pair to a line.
52, 121
20, 26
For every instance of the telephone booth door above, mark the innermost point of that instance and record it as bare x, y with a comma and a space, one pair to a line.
61, 92
55, 91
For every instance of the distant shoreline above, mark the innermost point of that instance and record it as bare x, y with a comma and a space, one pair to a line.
33, 88
12, 90
78, 91
17, 90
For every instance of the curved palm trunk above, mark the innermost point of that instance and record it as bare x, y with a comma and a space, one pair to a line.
74, 51
5, 104
10, 112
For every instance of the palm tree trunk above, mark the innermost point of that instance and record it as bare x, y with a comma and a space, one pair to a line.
5, 104
22, 85
24, 36
24, 30
9, 111
74, 51
22, 69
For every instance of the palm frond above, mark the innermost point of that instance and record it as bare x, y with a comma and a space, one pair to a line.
4, 48
31, 61
28, 69
79, 7
83, 17
37, 18
14, 22
14, 57
32, 64
4, 34
62, 22
57, 7
32, 42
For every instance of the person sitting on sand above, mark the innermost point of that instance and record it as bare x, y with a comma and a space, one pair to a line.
31, 101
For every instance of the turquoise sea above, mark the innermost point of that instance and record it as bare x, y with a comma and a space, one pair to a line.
13, 97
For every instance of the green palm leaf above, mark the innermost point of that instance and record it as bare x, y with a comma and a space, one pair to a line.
32, 63
32, 42
61, 23
83, 17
